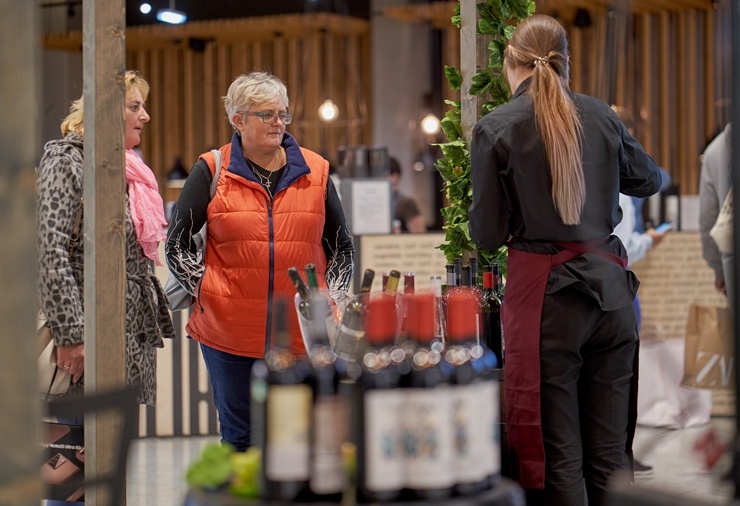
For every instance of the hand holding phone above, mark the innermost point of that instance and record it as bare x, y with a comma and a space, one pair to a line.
664, 227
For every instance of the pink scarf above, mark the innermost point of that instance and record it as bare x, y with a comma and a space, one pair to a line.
145, 203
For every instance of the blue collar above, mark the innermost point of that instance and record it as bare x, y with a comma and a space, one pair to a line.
295, 169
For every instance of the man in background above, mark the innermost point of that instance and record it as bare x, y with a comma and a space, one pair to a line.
404, 208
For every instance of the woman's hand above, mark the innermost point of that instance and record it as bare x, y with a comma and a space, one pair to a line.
72, 360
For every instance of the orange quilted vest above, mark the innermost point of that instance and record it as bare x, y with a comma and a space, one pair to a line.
251, 244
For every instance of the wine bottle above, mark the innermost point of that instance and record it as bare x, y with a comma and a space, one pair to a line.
384, 282
457, 267
490, 311
393, 279
329, 422
435, 283
367, 281
280, 392
408, 283
466, 279
474, 272
350, 331
498, 282
428, 431
475, 399
311, 277
304, 304
378, 404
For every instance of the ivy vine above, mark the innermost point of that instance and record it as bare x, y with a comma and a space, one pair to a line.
497, 18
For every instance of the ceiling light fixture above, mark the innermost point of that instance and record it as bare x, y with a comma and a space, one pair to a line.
145, 8
328, 111
171, 15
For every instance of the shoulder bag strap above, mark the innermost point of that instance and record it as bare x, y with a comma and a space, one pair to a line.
217, 160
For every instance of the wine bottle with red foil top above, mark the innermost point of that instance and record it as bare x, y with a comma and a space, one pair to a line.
378, 408
330, 412
475, 398
490, 312
428, 431
408, 283
280, 392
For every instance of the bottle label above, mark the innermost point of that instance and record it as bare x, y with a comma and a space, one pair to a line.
384, 469
330, 415
288, 425
488, 402
470, 433
428, 438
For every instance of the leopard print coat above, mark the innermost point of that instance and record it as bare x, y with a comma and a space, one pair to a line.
60, 282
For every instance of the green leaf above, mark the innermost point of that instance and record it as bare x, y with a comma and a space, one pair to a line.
481, 83
454, 77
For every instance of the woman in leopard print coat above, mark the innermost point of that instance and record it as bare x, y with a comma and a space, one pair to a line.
59, 203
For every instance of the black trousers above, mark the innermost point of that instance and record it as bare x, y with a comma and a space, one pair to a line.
587, 359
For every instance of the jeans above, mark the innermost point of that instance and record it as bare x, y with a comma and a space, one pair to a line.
230, 379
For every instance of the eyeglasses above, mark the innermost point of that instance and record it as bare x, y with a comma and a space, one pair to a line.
271, 117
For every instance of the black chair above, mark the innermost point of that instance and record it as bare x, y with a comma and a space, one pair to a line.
124, 402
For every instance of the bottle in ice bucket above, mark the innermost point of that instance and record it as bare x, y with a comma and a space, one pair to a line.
350, 331
427, 421
281, 402
475, 398
329, 420
367, 281
378, 406
304, 306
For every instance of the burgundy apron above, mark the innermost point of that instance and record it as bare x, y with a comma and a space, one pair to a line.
522, 314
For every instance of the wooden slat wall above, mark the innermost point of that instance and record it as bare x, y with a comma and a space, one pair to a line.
187, 86
664, 60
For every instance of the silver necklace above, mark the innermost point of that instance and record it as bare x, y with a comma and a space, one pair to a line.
265, 180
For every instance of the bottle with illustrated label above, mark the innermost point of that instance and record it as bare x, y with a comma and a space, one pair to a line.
475, 404
329, 422
427, 429
378, 404
281, 401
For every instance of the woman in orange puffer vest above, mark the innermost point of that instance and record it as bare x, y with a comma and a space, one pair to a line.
274, 207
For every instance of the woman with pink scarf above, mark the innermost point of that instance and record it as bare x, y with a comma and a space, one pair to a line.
60, 255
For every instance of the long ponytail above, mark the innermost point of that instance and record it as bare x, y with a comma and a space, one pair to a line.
540, 42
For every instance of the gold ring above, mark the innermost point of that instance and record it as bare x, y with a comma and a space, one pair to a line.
66, 367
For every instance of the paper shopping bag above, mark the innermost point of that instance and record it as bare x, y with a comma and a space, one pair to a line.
709, 357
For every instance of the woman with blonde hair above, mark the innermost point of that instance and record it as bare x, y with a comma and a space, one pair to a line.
61, 250
547, 169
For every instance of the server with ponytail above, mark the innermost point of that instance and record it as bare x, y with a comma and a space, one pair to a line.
547, 169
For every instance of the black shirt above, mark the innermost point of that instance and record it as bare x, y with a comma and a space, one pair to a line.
512, 184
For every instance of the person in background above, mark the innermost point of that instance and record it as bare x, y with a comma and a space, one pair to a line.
60, 258
714, 185
547, 170
275, 207
59, 199
404, 208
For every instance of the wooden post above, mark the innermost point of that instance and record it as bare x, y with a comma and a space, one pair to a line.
473, 55
104, 56
20, 483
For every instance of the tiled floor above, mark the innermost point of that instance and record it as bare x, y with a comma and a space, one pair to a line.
157, 466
